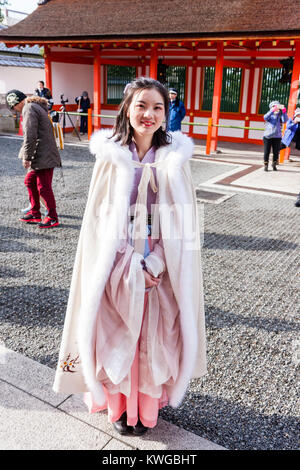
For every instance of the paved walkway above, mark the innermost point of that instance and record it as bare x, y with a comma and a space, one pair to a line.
34, 417
248, 400
249, 174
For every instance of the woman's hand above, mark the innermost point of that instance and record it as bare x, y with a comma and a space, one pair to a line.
150, 281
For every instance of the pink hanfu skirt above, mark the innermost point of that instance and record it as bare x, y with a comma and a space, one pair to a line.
138, 405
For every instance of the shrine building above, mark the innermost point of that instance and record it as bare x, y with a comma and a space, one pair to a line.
227, 58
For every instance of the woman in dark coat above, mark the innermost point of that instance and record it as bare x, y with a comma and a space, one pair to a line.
83, 106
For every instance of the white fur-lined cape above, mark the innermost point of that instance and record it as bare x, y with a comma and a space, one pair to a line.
112, 181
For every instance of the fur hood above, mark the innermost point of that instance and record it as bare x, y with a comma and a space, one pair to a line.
107, 149
38, 100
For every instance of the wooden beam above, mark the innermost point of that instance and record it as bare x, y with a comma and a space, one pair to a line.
48, 67
294, 90
217, 95
153, 62
97, 86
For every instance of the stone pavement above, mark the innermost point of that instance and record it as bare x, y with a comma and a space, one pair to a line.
249, 398
33, 417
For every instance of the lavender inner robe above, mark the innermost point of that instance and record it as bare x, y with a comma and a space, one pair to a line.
159, 338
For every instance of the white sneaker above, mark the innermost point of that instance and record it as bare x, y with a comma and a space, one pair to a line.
26, 210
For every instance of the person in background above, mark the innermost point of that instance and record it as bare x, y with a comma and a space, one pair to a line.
84, 104
272, 135
44, 92
292, 134
39, 156
177, 111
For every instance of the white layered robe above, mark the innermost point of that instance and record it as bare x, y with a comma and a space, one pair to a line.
105, 309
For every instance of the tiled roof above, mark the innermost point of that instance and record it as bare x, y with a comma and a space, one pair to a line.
24, 50
113, 19
21, 61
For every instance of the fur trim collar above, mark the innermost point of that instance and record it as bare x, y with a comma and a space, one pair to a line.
175, 154
38, 100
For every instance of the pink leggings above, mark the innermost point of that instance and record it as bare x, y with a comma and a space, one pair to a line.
137, 405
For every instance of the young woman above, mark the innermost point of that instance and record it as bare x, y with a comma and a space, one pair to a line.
134, 332
272, 135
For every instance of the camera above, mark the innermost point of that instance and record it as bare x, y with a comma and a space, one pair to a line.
54, 116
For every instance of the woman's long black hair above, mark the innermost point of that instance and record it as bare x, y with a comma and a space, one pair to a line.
123, 131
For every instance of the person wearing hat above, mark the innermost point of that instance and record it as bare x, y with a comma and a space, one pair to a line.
177, 111
84, 104
292, 132
39, 155
272, 135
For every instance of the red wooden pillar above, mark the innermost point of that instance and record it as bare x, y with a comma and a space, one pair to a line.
97, 86
48, 68
153, 61
294, 89
217, 95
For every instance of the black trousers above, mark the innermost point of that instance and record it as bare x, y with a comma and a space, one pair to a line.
273, 143
83, 124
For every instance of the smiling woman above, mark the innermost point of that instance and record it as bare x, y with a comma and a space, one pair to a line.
135, 316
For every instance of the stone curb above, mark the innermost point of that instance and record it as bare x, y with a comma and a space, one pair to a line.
36, 418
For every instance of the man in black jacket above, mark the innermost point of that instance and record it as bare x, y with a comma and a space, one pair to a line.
44, 92
84, 104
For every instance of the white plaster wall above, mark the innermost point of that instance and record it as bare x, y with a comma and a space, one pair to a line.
255, 91
200, 129
189, 86
21, 78
256, 134
223, 131
198, 82
184, 127
71, 80
245, 90
108, 112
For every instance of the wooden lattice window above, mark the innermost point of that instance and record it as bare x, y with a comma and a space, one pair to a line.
272, 89
117, 77
208, 88
175, 76
231, 89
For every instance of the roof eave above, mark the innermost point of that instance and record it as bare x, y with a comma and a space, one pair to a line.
246, 35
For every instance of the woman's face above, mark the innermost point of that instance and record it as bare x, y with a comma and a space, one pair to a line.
146, 111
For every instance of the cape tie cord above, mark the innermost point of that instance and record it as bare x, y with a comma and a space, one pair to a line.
139, 233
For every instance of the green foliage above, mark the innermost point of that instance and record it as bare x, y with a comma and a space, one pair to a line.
272, 89
176, 79
117, 78
231, 89
2, 4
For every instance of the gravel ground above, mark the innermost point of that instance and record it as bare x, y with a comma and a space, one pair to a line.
250, 397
